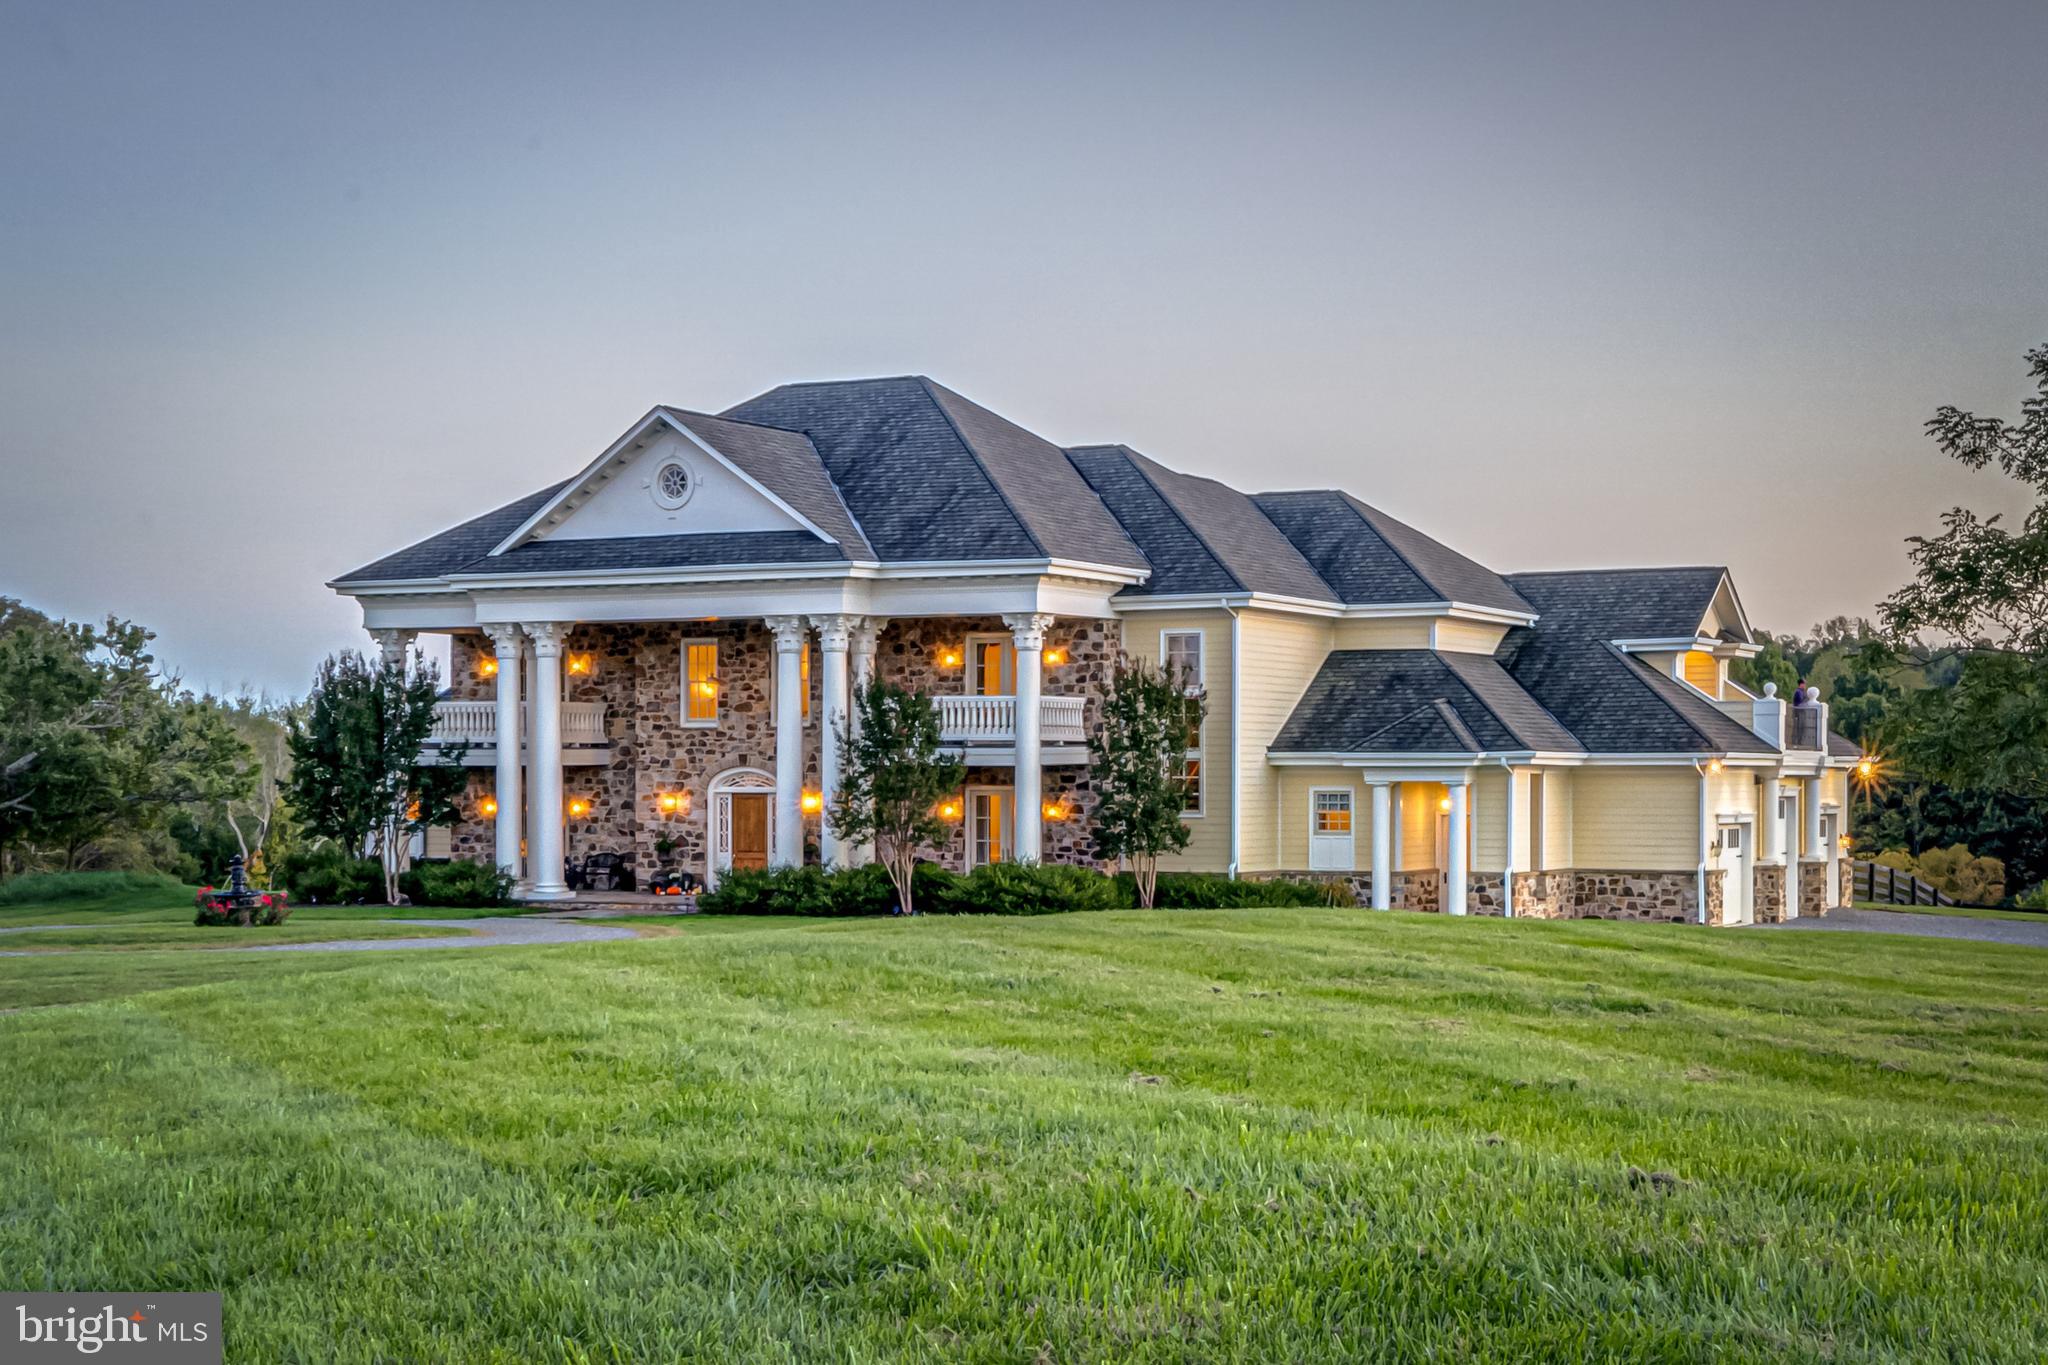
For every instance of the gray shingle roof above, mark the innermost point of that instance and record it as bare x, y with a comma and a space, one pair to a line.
1417, 701
1614, 702
453, 548
1369, 557
701, 551
1199, 535
929, 475
785, 463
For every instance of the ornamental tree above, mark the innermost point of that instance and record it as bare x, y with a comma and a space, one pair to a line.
356, 775
1139, 760
892, 779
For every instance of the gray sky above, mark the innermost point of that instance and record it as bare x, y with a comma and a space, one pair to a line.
283, 287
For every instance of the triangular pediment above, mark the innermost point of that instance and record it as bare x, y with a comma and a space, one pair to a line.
665, 478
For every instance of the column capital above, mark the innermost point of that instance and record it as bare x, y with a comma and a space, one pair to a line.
392, 643
503, 634
789, 632
548, 637
835, 630
867, 633
1028, 628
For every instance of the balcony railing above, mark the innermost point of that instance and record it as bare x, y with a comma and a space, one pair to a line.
993, 720
475, 724
1783, 724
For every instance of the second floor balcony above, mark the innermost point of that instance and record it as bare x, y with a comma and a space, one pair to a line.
475, 724
984, 728
1791, 728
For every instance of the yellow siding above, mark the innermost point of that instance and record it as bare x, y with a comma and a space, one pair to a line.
1629, 819
1488, 812
1395, 633
1420, 806
1280, 655
1703, 671
1291, 789
1468, 637
1557, 818
1208, 847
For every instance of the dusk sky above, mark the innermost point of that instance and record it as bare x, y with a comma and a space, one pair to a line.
284, 287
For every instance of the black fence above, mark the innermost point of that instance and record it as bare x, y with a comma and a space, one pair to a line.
1889, 886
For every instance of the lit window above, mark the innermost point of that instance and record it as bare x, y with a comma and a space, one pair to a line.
1191, 785
1333, 812
700, 682
1180, 652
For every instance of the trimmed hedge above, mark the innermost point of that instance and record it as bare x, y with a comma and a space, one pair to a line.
997, 889
462, 882
325, 877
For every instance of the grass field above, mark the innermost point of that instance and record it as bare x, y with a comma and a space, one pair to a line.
1259, 1135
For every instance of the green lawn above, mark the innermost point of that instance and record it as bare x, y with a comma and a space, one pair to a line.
1257, 1135
1959, 911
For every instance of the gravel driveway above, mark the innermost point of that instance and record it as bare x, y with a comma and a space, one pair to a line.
1927, 926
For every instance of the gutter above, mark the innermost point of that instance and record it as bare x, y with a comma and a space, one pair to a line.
1700, 875
1507, 873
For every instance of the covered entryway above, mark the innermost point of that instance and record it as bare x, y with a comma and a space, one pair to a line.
742, 821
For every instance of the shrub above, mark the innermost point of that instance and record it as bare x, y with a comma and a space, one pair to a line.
1028, 889
1210, 891
325, 877
1954, 871
463, 882
37, 888
813, 891
2034, 898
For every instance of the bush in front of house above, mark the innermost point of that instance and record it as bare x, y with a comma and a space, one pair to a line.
325, 877
1211, 891
41, 888
1027, 889
462, 882
814, 891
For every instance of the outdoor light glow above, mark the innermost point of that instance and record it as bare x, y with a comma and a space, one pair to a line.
813, 802
487, 667
1713, 765
1055, 811
671, 802
949, 810
579, 663
1444, 804
1865, 768
1055, 657
949, 657
578, 807
487, 807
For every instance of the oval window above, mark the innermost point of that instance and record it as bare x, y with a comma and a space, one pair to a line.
673, 484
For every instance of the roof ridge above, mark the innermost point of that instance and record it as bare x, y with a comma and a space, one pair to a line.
1457, 722
826, 470
1445, 656
1138, 460
1619, 568
994, 485
1636, 669
736, 421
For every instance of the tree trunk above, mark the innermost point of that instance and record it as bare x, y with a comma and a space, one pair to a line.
1145, 871
902, 863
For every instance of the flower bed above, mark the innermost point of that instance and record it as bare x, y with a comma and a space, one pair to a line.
221, 907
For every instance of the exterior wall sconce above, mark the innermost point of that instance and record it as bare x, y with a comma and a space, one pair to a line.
812, 802
1846, 842
1056, 811
487, 807
579, 664
949, 811
1865, 768
1444, 804
1055, 656
487, 667
673, 803
579, 807
950, 657
1713, 765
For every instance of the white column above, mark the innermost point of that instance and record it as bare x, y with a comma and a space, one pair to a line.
506, 640
1507, 871
1457, 858
393, 645
546, 760
1027, 630
789, 740
529, 670
867, 633
1382, 845
835, 637
1809, 808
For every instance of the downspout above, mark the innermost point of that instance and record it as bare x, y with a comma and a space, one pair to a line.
1236, 746
1507, 870
1700, 875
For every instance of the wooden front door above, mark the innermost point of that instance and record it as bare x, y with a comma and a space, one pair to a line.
749, 829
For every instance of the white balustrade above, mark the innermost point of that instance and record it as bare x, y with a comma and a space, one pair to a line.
475, 723
993, 720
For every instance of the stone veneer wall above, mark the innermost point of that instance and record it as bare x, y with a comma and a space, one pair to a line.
1813, 886
1673, 896
636, 671
1418, 890
1543, 895
1769, 893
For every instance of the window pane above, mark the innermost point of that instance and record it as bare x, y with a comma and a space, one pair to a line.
1333, 812
1184, 656
1191, 786
700, 688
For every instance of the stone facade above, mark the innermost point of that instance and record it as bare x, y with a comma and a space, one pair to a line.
1769, 894
1813, 886
1673, 896
636, 672
1543, 895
